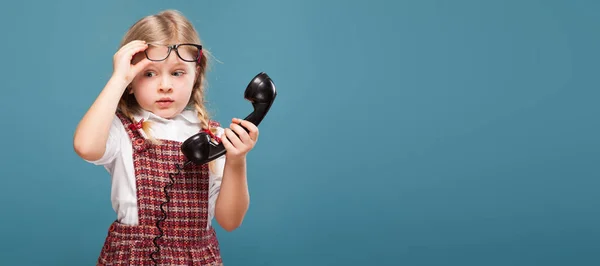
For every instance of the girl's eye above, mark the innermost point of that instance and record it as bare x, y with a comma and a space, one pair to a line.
149, 74
178, 73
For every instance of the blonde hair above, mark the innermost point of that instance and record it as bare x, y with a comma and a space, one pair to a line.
164, 27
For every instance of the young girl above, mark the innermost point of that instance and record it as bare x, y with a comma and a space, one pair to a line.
151, 104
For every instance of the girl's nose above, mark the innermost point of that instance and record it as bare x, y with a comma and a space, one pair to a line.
165, 86
165, 89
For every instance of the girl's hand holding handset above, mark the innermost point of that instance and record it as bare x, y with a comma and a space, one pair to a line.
239, 145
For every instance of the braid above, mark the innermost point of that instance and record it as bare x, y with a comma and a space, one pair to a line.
128, 109
203, 117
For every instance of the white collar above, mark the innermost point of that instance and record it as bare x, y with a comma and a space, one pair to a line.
189, 115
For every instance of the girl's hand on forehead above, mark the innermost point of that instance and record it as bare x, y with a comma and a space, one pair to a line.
122, 61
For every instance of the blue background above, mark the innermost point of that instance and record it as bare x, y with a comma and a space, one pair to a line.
404, 133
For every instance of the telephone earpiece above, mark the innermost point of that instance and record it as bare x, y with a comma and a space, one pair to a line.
261, 93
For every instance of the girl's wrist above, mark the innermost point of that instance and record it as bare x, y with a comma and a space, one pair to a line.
119, 82
236, 160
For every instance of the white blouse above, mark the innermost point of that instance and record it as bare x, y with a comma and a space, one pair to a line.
118, 160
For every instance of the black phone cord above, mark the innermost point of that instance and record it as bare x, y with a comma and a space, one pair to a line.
164, 217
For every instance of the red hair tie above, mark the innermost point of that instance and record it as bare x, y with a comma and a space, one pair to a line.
199, 56
136, 126
212, 135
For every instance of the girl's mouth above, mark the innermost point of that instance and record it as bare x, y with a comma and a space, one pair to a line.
164, 102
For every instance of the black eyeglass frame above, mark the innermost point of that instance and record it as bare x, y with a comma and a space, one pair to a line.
175, 47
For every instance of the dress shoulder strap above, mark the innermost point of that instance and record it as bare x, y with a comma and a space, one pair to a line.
134, 131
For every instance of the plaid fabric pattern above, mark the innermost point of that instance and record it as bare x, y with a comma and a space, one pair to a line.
185, 240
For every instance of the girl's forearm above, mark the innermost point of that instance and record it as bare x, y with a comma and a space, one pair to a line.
91, 134
233, 200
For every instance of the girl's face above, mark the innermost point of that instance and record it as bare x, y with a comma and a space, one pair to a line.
164, 88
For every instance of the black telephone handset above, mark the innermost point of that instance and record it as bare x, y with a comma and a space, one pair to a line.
261, 93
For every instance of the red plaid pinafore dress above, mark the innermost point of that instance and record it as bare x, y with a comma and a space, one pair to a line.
185, 240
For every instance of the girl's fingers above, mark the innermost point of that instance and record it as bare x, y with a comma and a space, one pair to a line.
227, 144
127, 47
252, 130
242, 134
233, 138
133, 50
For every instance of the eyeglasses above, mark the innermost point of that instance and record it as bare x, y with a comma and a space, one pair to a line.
187, 52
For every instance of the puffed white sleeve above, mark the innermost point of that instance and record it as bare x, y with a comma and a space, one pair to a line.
113, 143
215, 179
